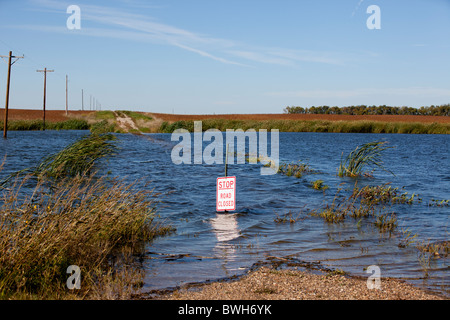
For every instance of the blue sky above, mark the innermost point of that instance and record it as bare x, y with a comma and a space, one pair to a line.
205, 57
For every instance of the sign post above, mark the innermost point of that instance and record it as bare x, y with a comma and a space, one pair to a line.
226, 194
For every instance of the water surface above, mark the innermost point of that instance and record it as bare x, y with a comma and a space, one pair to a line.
209, 245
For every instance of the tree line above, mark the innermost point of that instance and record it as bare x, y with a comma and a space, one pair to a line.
440, 110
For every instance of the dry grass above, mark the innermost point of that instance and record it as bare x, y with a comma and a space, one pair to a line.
81, 221
70, 216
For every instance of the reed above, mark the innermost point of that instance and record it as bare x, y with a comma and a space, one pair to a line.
296, 170
319, 185
360, 126
336, 212
81, 221
32, 125
77, 158
407, 238
373, 195
386, 222
289, 217
368, 154
439, 203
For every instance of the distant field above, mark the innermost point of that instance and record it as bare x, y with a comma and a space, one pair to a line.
60, 115
303, 117
50, 115
131, 121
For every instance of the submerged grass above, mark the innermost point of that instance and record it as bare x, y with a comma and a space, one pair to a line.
77, 158
366, 202
296, 170
368, 154
373, 195
319, 185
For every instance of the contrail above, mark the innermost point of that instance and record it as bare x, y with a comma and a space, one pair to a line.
357, 7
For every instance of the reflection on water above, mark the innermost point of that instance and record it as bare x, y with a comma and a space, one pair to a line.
225, 227
208, 245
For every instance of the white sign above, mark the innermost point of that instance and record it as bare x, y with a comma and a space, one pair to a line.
226, 194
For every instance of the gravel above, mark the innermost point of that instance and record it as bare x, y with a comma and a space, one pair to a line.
271, 284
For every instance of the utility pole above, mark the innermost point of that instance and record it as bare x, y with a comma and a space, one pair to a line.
82, 101
45, 86
67, 104
10, 56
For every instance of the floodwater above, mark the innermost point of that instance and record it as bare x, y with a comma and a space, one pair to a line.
208, 245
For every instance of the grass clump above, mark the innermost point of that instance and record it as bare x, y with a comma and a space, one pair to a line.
439, 203
296, 170
407, 238
34, 125
363, 156
318, 185
70, 216
373, 195
288, 218
386, 222
81, 222
77, 158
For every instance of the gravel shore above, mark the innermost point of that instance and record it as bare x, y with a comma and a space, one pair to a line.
271, 284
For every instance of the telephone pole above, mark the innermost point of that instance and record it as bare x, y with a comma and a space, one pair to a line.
45, 87
67, 104
10, 56
82, 100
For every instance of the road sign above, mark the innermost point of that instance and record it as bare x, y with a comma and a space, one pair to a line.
226, 194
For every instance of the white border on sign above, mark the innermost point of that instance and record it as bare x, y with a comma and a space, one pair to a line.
217, 193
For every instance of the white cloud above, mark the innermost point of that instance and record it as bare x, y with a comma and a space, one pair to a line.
121, 24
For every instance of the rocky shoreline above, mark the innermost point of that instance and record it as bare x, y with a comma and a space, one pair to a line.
268, 283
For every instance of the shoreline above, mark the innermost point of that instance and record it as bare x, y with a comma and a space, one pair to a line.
271, 283
147, 122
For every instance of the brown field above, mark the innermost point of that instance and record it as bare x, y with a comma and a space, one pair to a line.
282, 116
60, 115
50, 115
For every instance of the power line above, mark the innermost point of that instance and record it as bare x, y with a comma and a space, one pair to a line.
45, 86
67, 101
10, 56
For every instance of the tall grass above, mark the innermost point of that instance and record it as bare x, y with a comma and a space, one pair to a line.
82, 222
360, 126
77, 158
363, 156
30, 125
71, 216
